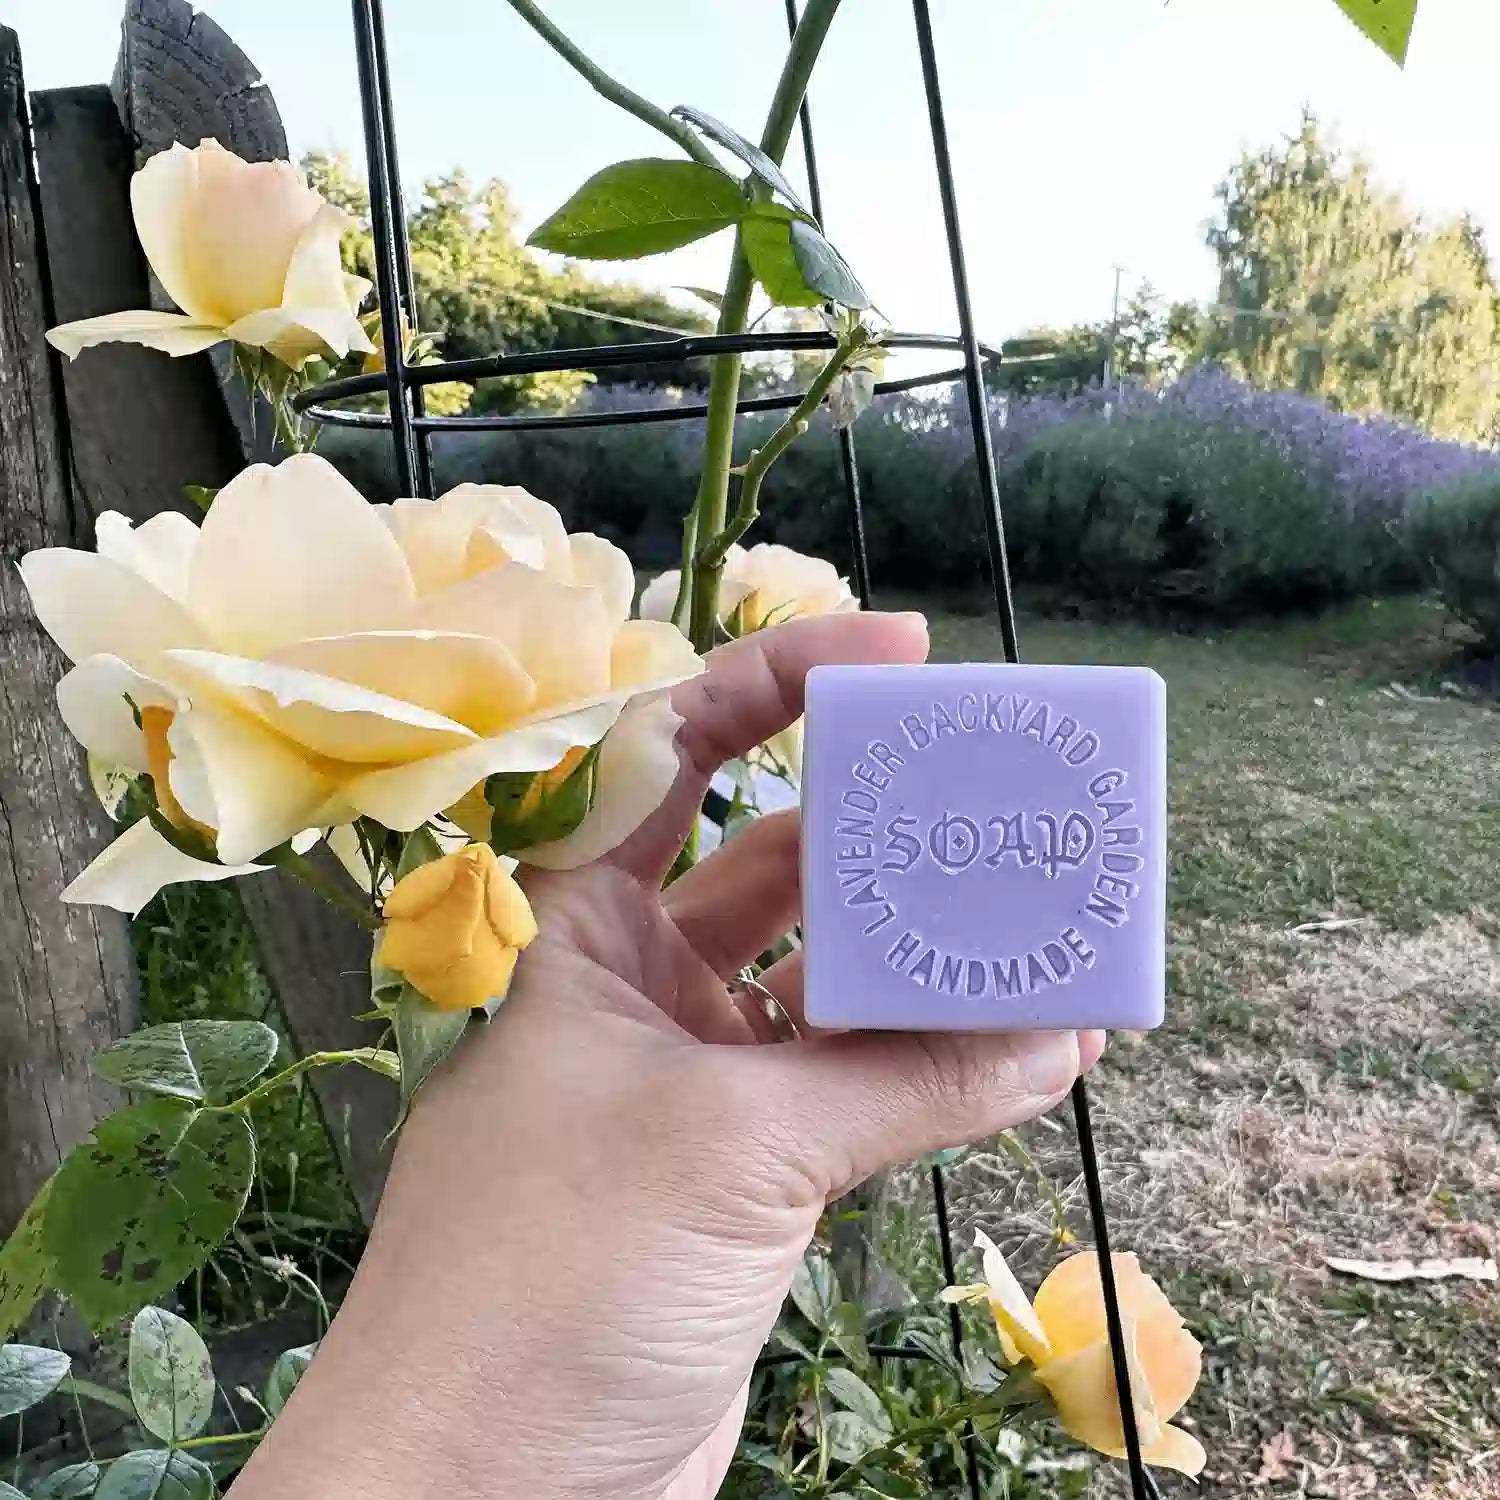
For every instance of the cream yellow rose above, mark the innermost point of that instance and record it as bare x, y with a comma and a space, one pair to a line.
1065, 1337
764, 585
247, 250
307, 666
454, 928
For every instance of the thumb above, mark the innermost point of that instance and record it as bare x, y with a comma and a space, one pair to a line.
859, 1103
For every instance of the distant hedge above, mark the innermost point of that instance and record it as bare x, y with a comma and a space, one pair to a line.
1455, 534
1207, 496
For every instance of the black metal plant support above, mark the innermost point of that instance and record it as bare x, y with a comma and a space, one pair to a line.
412, 432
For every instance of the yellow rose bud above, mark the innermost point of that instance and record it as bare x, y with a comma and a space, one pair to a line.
1066, 1338
454, 927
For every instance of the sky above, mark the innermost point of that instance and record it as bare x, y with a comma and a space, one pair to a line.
1087, 134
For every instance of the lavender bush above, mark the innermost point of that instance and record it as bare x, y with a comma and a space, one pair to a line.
1207, 494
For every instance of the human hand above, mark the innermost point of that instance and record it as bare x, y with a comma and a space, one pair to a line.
596, 1209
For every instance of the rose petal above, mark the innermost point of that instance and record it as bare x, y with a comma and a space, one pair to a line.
92, 701
1174, 1449
1082, 1387
329, 718
649, 654
637, 767
660, 595
600, 565
137, 865
91, 606
403, 797
262, 790
468, 679
1014, 1315
295, 335
160, 549
291, 552
240, 226
161, 200
315, 278
1070, 1303
560, 635
172, 333
466, 531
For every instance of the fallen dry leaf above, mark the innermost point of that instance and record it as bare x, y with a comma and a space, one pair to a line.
1469, 1267
1327, 924
1275, 1457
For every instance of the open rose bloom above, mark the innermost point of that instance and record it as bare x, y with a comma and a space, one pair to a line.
1064, 1336
302, 659
764, 585
247, 250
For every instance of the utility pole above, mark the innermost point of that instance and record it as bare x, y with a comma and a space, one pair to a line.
1114, 329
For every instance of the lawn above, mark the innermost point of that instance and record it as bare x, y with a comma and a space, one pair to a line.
1332, 1093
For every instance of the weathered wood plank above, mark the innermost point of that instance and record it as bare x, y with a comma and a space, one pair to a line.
318, 962
142, 425
180, 77
66, 972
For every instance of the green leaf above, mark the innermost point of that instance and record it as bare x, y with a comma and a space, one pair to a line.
190, 1059
854, 1395
199, 495
27, 1373
157, 1474
10, 1492
285, 1374
1387, 23
824, 269
144, 1202
850, 1437
714, 299
642, 207
767, 243
378, 1060
420, 848
736, 144
171, 1375
76, 1482
25, 1267
425, 1035
847, 1330
815, 1289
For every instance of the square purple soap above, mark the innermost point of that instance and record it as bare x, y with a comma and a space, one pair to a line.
984, 847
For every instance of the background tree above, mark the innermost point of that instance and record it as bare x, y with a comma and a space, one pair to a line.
1330, 284
479, 290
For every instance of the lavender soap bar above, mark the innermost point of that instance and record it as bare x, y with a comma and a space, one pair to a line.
984, 847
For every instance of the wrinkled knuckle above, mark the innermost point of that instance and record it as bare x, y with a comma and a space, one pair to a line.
964, 1086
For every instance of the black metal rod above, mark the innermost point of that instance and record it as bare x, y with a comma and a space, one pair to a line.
382, 210
979, 414
1142, 1487
422, 443
611, 356
334, 417
848, 458
955, 1321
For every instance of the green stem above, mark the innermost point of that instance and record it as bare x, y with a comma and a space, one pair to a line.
747, 505
700, 584
312, 877
219, 1440
712, 500
612, 89
302, 1065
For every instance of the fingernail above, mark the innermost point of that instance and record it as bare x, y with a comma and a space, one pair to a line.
1090, 1048
1050, 1063
914, 616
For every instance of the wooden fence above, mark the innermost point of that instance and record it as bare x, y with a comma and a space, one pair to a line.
123, 429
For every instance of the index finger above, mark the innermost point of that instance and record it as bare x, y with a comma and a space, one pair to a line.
753, 688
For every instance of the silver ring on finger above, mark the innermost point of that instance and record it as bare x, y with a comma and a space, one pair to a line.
767, 1016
